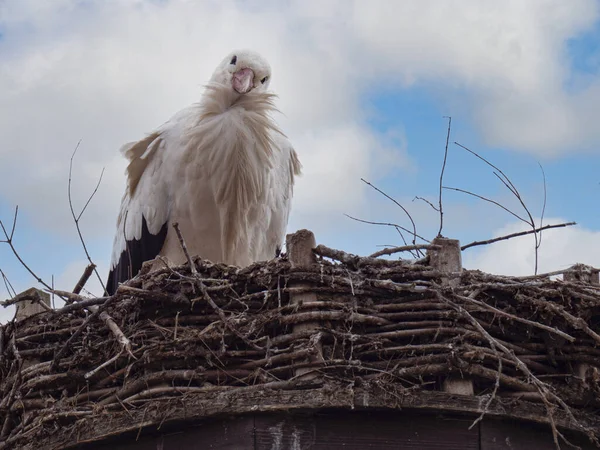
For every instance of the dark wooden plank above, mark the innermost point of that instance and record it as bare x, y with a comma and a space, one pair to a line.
337, 395
361, 430
513, 435
235, 433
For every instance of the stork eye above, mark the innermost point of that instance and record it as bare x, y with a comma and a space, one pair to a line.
234, 59
264, 80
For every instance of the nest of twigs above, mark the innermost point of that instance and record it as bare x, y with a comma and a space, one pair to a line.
223, 340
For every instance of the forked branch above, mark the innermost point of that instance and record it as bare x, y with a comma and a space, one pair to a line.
9, 240
498, 173
8, 285
414, 232
77, 218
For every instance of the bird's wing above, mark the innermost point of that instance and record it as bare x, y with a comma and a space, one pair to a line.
281, 189
145, 207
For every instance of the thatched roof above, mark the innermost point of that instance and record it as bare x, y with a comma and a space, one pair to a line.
338, 331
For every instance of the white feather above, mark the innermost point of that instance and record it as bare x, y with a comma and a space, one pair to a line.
220, 168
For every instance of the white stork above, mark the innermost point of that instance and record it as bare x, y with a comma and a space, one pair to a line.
221, 168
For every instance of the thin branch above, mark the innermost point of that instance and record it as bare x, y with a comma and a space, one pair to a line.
531, 222
487, 200
92, 194
544, 204
513, 235
91, 373
489, 164
10, 243
8, 285
77, 217
414, 232
184, 248
441, 211
489, 401
414, 255
406, 248
508, 186
34, 298
513, 189
12, 231
387, 224
426, 201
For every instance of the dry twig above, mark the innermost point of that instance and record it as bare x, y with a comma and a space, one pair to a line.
440, 208
87, 273
77, 218
414, 231
8, 285
406, 248
513, 235
387, 224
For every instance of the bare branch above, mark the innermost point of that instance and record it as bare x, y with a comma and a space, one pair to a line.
508, 186
91, 373
9, 287
513, 189
441, 211
184, 248
12, 231
70, 177
544, 204
414, 232
34, 298
426, 201
84, 278
387, 224
504, 178
91, 195
10, 243
406, 248
77, 217
413, 254
487, 200
513, 235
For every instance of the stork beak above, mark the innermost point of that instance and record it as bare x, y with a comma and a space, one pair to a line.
243, 81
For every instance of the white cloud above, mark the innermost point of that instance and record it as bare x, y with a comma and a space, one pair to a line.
560, 249
116, 70
509, 58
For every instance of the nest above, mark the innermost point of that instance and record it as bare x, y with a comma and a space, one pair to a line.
343, 332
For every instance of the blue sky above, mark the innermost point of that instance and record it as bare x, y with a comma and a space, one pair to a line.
519, 85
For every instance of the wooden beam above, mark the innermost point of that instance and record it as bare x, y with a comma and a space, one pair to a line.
447, 258
299, 247
29, 302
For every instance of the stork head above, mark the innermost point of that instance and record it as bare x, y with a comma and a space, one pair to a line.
244, 71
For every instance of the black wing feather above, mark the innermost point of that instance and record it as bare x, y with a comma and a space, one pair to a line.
136, 253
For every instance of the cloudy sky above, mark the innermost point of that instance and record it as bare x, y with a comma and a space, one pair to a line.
363, 87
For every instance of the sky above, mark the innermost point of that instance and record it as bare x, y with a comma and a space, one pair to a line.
365, 89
